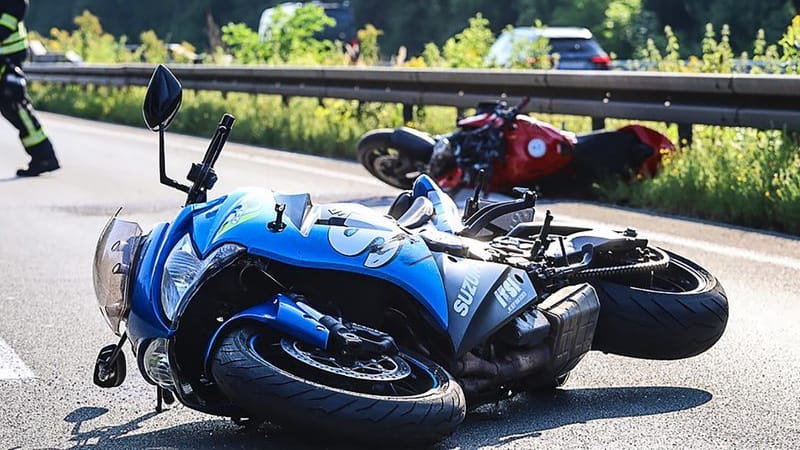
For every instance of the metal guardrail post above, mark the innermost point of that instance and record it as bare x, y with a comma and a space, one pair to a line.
685, 131
598, 123
408, 113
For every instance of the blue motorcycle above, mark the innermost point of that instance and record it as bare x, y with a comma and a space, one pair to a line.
356, 324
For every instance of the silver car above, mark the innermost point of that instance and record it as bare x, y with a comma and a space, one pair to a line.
576, 48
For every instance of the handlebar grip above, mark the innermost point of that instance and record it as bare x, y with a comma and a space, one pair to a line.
524, 102
220, 138
227, 121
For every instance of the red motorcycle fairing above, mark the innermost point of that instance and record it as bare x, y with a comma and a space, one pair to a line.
534, 149
451, 180
660, 144
479, 120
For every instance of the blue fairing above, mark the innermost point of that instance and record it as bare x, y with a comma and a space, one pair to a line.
146, 319
343, 237
363, 241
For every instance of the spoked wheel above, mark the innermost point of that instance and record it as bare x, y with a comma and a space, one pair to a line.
402, 399
390, 165
673, 312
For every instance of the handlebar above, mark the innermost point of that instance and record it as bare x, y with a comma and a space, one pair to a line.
523, 103
509, 114
202, 175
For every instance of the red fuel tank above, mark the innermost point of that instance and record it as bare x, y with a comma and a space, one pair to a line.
534, 149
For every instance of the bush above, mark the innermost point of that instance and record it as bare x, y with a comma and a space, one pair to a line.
736, 175
289, 40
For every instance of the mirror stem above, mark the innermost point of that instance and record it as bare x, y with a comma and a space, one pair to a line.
162, 165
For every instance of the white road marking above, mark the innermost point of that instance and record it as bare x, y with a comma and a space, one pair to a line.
736, 252
11, 367
304, 168
273, 162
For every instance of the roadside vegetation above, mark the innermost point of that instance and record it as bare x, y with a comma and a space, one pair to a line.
743, 176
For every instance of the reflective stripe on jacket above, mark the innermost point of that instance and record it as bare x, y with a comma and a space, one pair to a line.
17, 41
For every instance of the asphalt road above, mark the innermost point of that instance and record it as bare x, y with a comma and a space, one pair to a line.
744, 392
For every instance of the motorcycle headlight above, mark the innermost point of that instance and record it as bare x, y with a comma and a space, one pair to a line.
184, 271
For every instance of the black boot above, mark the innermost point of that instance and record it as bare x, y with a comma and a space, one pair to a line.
43, 159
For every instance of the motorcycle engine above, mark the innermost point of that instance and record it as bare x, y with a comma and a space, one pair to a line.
443, 158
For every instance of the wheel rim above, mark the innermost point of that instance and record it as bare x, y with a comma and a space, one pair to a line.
405, 376
382, 368
392, 167
679, 278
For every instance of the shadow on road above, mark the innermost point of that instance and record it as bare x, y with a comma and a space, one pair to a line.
521, 418
527, 417
214, 433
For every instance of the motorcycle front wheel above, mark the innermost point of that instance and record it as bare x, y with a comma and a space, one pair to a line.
399, 399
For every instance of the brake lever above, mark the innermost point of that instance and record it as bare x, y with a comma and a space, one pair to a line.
472, 203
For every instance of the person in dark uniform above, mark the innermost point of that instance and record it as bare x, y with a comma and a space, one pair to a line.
14, 102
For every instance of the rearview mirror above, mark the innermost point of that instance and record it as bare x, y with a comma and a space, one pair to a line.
163, 99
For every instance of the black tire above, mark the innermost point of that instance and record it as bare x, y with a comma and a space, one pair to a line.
664, 323
388, 164
270, 392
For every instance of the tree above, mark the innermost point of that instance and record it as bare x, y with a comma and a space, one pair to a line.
744, 17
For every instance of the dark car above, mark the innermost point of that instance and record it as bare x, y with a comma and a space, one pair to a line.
576, 48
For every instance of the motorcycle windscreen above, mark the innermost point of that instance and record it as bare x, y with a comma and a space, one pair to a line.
482, 297
113, 259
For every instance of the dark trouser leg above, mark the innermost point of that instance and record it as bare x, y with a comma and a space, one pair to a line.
21, 114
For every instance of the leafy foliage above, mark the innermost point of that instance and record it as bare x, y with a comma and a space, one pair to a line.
736, 175
535, 54
469, 47
289, 40
618, 24
89, 41
368, 42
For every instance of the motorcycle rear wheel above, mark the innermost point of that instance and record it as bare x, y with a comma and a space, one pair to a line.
681, 314
261, 373
390, 165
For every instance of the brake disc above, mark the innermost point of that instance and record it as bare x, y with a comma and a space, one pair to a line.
383, 368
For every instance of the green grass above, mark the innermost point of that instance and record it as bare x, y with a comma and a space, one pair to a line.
329, 128
737, 175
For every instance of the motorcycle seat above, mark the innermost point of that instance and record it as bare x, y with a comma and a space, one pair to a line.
401, 204
418, 214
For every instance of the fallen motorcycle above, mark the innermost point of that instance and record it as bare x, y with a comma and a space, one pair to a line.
514, 150
385, 328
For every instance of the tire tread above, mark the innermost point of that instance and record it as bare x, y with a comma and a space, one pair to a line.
660, 325
270, 393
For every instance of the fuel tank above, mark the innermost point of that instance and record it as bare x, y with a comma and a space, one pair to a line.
534, 149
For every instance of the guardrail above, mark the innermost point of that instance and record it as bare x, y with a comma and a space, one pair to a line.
759, 101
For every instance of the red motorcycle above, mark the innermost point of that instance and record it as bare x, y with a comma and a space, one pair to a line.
513, 150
